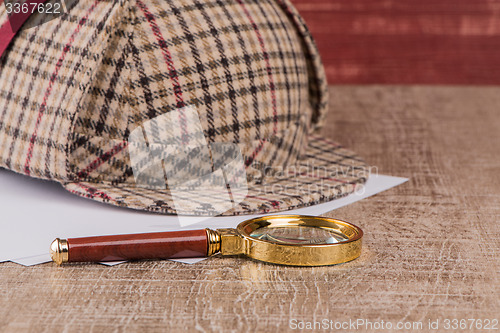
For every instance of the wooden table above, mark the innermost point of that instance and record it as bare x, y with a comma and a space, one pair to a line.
431, 245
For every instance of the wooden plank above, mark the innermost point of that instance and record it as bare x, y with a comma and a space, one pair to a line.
394, 41
431, 246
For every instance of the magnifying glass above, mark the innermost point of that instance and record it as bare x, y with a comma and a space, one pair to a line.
294, 240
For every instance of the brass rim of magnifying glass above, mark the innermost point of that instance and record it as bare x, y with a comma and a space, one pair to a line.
239, 242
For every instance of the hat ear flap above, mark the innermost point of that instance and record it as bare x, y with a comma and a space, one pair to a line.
318, 86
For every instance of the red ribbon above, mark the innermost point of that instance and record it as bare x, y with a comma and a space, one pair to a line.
11, 27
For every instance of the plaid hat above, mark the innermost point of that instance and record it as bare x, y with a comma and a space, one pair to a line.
74, 89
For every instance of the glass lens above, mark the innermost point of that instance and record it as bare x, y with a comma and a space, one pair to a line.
298, 235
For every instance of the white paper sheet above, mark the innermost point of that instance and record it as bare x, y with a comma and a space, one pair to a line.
35, 212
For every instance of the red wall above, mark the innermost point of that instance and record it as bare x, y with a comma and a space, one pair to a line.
407, 41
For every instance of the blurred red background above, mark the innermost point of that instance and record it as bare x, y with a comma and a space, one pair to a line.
407, 41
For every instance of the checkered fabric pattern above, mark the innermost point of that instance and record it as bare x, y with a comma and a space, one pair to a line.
73, 89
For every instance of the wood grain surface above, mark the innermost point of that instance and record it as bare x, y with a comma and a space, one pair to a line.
406, 41
431, 246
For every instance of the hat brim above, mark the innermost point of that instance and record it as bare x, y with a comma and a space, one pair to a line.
326, 172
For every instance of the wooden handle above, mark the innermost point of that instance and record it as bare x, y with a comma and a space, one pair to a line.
159, 245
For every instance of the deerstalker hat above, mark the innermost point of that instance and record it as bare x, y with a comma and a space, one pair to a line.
82, 93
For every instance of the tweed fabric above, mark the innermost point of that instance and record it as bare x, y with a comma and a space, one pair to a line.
73, 89
327, 172
43, 76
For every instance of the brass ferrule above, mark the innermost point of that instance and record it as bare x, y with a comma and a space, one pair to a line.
214, 242
59, 251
